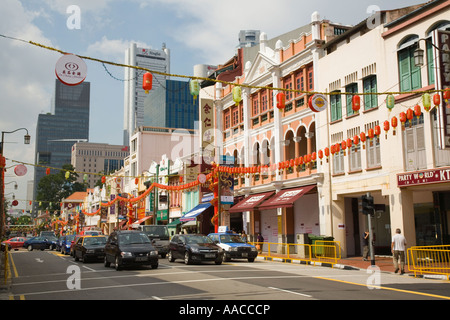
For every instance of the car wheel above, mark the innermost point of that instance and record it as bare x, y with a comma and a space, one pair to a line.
30, 247
106, 263
117, 264
75, 256
170, 257
218, 261
187, 258
155, 266
84, 259
251, 259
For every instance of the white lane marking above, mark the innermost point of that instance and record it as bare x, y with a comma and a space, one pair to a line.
293, 292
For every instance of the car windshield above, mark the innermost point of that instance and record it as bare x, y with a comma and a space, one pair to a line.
231, 238
95, 241
198, 239
156, 231
133, 238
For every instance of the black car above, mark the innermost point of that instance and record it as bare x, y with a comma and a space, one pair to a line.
89, 248
40, 243
194, 248
130, 247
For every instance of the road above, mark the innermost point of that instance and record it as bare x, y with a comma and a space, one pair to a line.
48, 275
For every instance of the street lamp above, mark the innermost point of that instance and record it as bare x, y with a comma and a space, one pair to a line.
419, 53
27, 140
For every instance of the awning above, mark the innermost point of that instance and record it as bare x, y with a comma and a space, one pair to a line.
285, 198
251, 202
192, 215
137, 223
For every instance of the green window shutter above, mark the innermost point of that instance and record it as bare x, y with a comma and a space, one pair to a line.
416, 82
430, 60
404, 70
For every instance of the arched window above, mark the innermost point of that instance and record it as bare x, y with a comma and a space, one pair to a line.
409, 74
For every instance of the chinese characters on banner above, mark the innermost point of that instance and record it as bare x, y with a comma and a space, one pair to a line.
207, 128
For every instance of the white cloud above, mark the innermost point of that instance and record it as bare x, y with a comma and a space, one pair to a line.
26, 86
112, 50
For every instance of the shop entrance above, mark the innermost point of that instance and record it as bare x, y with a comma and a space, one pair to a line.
431, 220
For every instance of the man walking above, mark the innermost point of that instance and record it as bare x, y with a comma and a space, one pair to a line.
398, 247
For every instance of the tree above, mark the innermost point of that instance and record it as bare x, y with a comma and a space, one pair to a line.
53, 188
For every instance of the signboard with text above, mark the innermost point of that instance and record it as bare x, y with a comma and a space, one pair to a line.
423, 177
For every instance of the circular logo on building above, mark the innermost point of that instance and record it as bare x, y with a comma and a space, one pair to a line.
71, 69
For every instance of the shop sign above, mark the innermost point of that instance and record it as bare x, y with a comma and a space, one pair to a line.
423, 177
71, 70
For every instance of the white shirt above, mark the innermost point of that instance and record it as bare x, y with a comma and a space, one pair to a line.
399, 242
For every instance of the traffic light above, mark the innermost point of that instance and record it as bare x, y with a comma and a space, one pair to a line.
367, 204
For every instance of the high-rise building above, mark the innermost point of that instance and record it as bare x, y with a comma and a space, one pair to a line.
171, 106
134, 95
95, 159
58, 130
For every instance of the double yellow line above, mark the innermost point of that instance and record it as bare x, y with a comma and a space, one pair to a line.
16, 275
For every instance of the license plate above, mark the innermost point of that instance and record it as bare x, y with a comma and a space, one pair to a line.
245, 254
141, 259
210, 255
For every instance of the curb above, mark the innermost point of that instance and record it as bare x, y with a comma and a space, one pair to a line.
320, 264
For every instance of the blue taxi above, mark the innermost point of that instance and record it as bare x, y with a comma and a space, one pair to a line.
233, 246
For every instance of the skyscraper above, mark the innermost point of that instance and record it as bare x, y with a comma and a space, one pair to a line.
59, 130
171, 106
134, 96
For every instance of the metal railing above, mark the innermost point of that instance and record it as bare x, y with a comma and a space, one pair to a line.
320, 251
429, 260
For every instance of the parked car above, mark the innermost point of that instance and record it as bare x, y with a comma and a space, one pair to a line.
89, 248
72, 243
14, 243
40, 243
233, 246
130, 247
194, 248
65, 242
159, 236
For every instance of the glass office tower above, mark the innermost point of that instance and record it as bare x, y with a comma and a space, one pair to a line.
59, 130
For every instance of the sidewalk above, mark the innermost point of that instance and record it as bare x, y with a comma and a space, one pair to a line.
4, 287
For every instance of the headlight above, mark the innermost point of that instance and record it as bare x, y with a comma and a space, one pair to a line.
254, 249
153, 253
126, 254
196, 250
232, 249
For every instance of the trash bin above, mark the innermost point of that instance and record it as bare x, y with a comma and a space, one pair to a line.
318, 250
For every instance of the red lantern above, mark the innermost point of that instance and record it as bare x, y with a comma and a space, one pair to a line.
394, 124
349, 144
327, 151
447, 94
356, 139
344, 146
333, 149
356, 103
314, 156
47, 171
362, 135
386, 127
417, 110
377, 130
371, 133
136, 180
437, 99
281, 100
409, 116
402, 119
147, 82
291, 163
103, 179
320, 154
337, 147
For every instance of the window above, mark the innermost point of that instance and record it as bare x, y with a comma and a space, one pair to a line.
414, 143
227, 120
354, 157
255, 105
351, 88
338, 162
370, 86
373, 152
409, 74
264, 103
335, 106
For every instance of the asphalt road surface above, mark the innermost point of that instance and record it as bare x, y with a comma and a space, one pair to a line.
48, 275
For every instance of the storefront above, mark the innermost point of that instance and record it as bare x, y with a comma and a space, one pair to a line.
431, 194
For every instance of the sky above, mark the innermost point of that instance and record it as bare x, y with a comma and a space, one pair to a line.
195, 32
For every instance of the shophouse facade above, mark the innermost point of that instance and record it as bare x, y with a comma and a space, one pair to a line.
279, 204
373, 59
